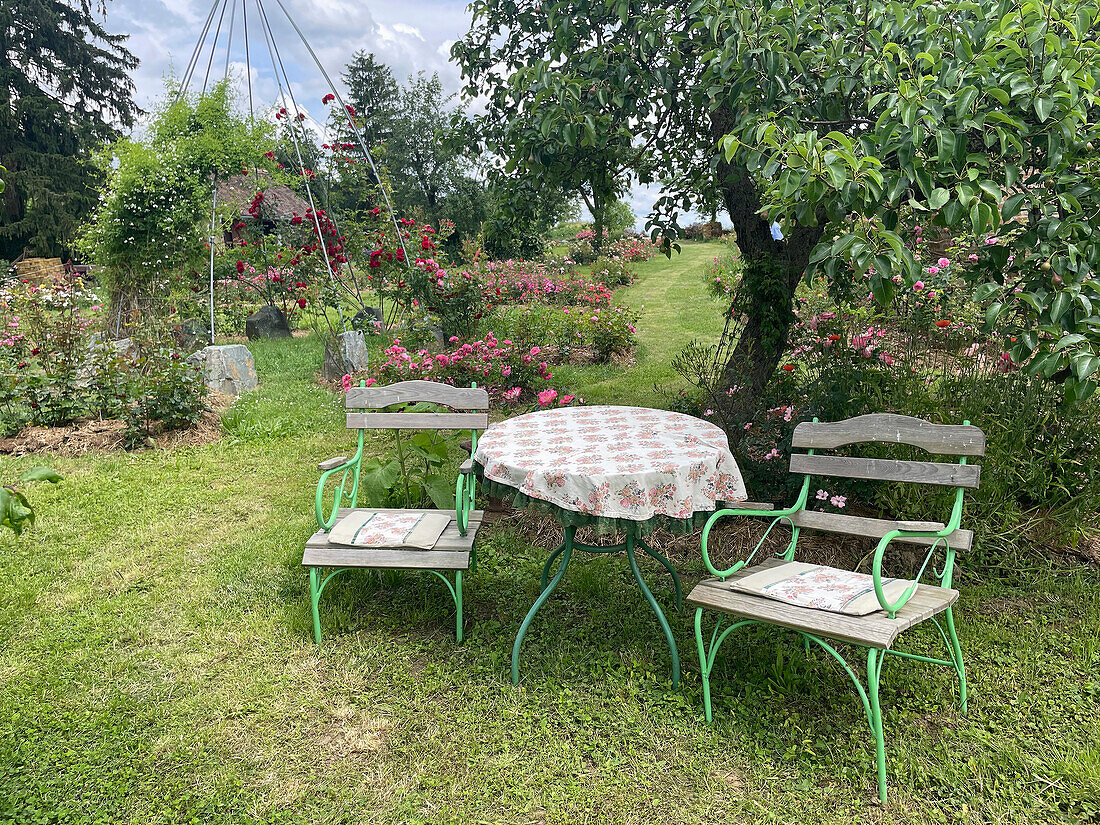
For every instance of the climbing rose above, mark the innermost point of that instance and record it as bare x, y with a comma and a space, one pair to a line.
240, 267
328, 98
346, 382
942, 262
302, 303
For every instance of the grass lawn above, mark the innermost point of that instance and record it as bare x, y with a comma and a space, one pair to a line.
156, 662
676, 307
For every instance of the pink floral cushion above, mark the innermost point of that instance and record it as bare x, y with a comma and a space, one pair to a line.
369, 528
821, 588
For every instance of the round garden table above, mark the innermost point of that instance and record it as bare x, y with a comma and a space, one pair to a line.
624, 469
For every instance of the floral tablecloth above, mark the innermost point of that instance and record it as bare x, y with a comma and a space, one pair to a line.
622, 464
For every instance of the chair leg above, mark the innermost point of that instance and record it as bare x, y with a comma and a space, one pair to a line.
704, 664
314, 598
458, 606
874, 667
957, 658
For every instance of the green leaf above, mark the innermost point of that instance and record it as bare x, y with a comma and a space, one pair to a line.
938, 198
1085, 365
1043, 105
441, 490
1068, 341
40, 474
986, 291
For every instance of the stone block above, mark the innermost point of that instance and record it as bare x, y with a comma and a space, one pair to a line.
266, 322
349, 355
227, 369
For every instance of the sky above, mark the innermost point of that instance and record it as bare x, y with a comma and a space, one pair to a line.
407, 35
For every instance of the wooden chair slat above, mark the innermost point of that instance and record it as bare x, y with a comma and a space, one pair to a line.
888, 428
410, 392
418, 421
876, 528
885, 469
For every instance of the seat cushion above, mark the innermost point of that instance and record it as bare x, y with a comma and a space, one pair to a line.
411, 530
451, 550
820, 587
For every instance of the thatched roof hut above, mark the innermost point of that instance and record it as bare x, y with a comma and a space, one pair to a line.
281, 202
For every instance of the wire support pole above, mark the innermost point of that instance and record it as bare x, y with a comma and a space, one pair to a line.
193, 62
274, 53
354, 128
214, 47
213, 213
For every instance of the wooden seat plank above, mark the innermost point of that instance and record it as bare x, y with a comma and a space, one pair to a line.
876, 630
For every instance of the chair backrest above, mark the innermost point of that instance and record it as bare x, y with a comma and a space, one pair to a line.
470, 405
963, 441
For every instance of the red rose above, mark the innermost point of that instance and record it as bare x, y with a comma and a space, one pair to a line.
302, 303
240, 267
328, 98
788, 367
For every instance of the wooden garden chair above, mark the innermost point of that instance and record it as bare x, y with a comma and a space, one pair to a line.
779, 590
397, 539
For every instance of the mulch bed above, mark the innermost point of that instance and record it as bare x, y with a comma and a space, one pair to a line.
101, 436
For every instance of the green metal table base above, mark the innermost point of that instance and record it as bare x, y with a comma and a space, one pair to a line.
869, 696
564, 552
317, 586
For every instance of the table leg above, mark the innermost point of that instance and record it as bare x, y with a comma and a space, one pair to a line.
656, 609
670, 569
567, 552
550, 563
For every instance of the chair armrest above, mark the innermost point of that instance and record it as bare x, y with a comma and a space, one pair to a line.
341, 496
746, 508
911, 529
467, 467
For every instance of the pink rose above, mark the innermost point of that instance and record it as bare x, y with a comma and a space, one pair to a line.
918, 286
942, 262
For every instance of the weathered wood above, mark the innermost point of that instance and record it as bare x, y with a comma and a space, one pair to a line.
467, 467
411, 392
418, 421
885, 469
451, 551
888, 428
874, 630
332, 463
747, 505
874, 528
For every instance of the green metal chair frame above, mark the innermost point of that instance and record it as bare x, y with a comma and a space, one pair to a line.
345, 492
961, 441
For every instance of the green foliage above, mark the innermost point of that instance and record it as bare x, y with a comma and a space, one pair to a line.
165, 393
975, 116
155, 212
65, 83
418, 472
16, 512
551, 115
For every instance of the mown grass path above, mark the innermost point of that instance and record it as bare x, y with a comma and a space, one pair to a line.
676, 308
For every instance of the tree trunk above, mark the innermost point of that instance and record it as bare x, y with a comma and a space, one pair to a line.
765, 296
600, 207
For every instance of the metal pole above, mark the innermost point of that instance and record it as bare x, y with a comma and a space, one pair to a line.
213, 210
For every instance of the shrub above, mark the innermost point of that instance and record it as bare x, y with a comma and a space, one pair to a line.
604, 331
167, 392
